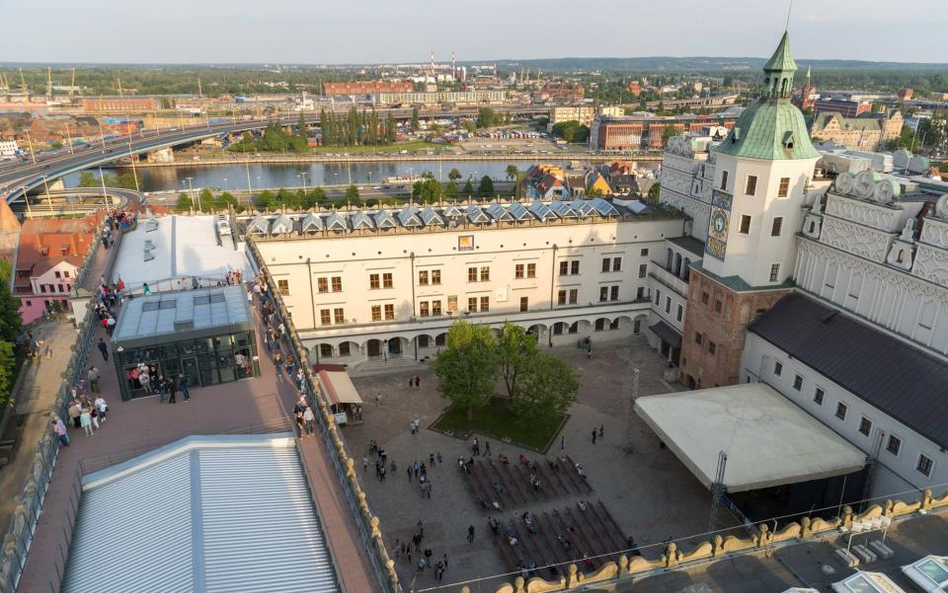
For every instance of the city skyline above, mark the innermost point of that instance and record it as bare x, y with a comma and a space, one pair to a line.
281, 33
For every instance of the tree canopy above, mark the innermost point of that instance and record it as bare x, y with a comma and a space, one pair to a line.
467, 368
486, 186
571, 131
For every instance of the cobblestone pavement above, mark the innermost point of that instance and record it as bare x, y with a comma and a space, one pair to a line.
649, 492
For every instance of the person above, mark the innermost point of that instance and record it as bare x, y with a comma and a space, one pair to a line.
365, 461
103, 348
160, 388
93, 376
378, 398
101, 408
183, 387
85, 420
75, 411
562, 443
417, 381
299, 423
60, 429
172, 390
602, 430
470, 533
428, 554
310, 419
595, 433
439, 570
486, 448
411, 382
145, 289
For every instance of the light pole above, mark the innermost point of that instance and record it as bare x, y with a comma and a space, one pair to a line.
26, 198
108, 202
131, 159
302, 175
225, 184
191, 192
29, 139
49, 200
69, 139
101, 134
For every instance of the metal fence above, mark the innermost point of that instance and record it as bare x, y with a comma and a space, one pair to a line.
342, 464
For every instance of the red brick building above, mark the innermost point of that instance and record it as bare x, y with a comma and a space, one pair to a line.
367, 87
119, 104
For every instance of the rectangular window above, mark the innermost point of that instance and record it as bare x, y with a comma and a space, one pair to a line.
322, 284
606, 264
423, 341
339, 315
423, 308
724, 180
614, 293
681, 312
66, 274
640, 293
284, 287
784, 190
472, 274
841, 410
777, 226
644, 252
423, 277
531, 270
704, 298
617, 262
750, 188
436, 308
389, 312
376, 312
658, 296
668, 304
573, 296
774, 272
818, 395
472, 304
603, 294
564, 268
865, 426
894, 445
60, 288
518, 271
524, 303
387, 280
698, 338
436, 277
712, 347
574, 267
485, 304
718, 305
337, 283
925, 465
745, 224
324, 318
778, 368
561, 297
58, 275
485, 274
600, 324
798, 382
643, 270
374, 281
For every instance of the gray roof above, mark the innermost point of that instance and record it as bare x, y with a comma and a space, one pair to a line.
188, 313
228, 513
690, 244
895, 377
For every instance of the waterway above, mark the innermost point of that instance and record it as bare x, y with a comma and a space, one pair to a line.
267, 175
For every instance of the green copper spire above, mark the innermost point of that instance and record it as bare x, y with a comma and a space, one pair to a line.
779, 70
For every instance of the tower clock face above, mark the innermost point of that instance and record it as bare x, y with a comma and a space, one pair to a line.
719, 223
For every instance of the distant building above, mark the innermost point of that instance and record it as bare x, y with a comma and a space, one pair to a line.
436, 98
373, 87
584, 114
635, 88
562, 92
844, 107
645, 133
8, 148
906, 94
612, 111
47, 261
807, 98
865, 133
121, 104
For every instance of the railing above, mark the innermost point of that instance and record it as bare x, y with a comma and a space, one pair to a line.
19, 535
342, 463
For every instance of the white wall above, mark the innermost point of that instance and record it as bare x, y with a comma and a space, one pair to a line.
897, 473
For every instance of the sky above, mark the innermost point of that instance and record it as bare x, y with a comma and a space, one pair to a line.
386, 31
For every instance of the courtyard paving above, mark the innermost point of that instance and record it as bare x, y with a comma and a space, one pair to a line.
649, 492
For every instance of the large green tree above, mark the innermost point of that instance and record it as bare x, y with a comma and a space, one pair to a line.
352, 194
184, 203
8, 366
486, 186
467, 367
547, 389
516, 352
468, 188
512, 172
454, 174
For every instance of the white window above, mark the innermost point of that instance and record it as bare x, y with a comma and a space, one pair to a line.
818, 395
865, 426
894, 445
925, 465
841, 410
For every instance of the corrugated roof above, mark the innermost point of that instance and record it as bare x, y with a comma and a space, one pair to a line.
897, 378
214, 514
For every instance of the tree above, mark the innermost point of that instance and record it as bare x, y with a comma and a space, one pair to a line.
571, 131
467, 368
8, 366
224, 201
414, 119
668, 133
268, 200
512, 172
486, 187
88, 179
352, 194
451, 190
654, 192
454, 174
206, 198
547, 389
10, 321
594, 192
486, 118
468, 188
184, 203
516, 350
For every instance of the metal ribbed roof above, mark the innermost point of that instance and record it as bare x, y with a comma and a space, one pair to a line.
205, 514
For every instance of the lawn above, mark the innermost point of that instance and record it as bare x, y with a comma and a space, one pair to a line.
418, 145
496, 421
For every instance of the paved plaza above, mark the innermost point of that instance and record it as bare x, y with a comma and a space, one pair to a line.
651, 495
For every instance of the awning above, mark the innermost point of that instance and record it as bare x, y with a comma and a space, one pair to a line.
339, 387
769, 441
667, 333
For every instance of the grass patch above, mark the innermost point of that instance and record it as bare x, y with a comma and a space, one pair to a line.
495, 420
417, 145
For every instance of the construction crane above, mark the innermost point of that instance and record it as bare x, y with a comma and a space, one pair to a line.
23, 87
538, 78
49, 82
121, 92
72, 86
200, 92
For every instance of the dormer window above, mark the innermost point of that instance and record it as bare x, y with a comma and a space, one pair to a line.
736, 136
789, 141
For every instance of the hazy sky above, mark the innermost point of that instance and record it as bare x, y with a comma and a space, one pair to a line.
372, 31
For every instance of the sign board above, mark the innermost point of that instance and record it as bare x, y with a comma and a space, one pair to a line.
340, 418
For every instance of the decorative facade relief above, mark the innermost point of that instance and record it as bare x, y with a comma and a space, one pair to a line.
883, 218
856, 239
935, 231
903, 249
931, 264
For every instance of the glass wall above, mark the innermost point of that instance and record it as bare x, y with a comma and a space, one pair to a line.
203, 361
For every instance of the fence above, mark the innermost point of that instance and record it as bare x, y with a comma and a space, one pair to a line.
19, 535
342, 463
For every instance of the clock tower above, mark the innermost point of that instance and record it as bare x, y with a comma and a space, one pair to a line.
762, 171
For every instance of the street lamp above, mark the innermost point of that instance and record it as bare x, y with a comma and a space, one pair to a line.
258, 182
49, 200
225, 184
302, 175
191, 191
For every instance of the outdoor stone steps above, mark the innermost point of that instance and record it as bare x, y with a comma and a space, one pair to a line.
377, 366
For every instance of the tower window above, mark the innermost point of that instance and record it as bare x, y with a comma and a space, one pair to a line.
774, 272
723, 179
750, 187
775, 229
784, 190
745, 224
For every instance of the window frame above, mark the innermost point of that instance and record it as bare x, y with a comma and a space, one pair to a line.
845, 409
375, 281
744, 229
776, 227
862, 421
783, 188
931, 465
888, 445
819, 395
797, 383
422, 277
750, 185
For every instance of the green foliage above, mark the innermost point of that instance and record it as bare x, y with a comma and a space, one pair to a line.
488, 118
654, 192
206, 198
352, 194
668, 133
512, 172
594, 192
356, 128
467, 368
904, 140
184, 203
451, 190
571, 131
548, 388
10, 321
6, 271
414, 119
224, 201
88, 179
125, 180
468, 188
268, 200
8, 365
427, 191
516, 351
486, 186
454, 174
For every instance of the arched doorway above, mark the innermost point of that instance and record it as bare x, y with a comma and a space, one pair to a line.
373, 348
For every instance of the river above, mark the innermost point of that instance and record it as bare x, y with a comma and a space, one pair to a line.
278, 175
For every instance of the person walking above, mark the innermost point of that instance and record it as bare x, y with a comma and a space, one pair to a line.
103, 348
85, 420
310, 419
562, 443
470, 533
486, 448
146, 289
365, 464
417, 382
60, 429
101, 408
183, 387
93, 376
602, 430
378, 398
595, 433
160, 386
75, 411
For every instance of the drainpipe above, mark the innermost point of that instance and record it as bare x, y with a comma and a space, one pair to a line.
414, 340
312, 299
552, 284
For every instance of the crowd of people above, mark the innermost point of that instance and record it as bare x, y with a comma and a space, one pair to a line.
426, 558
87, 412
